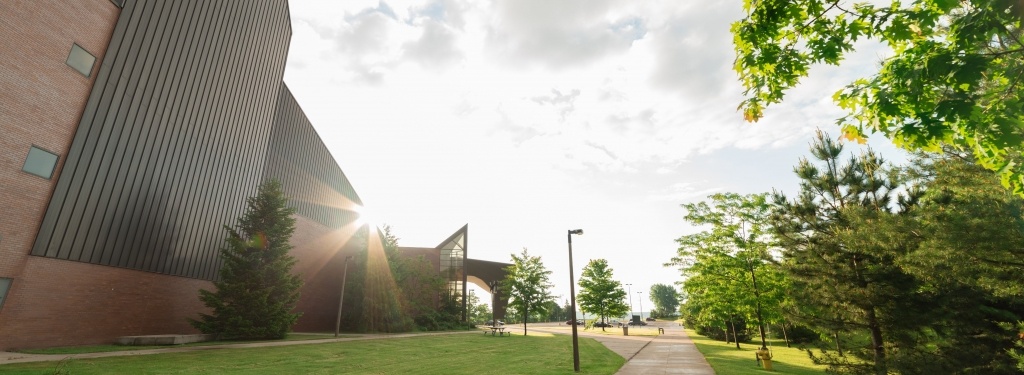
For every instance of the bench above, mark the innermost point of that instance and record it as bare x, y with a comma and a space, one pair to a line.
500, 331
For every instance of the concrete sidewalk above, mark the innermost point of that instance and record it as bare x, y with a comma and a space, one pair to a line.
671, 353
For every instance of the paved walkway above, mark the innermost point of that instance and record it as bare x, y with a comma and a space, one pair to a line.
671, 353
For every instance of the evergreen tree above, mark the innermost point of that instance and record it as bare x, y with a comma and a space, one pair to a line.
257, 291
599, 294
842, 238
971, 264
528, 284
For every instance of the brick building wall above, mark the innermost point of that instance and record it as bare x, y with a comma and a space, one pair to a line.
41, 101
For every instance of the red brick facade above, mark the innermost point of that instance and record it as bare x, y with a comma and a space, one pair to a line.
41, 101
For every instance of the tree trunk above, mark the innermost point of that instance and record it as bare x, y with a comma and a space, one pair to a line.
839, 348
726, 329
526, 317
735, 337
784, 335
757, 298
876, 342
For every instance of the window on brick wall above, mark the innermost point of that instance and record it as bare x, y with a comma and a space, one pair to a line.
81, 60
5, 285
40, 162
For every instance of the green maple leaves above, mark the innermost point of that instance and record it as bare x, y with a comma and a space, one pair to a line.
954, 77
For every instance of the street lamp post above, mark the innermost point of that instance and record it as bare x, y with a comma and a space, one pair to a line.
629, 292
341, 300
494, 301
641, 300
572, 294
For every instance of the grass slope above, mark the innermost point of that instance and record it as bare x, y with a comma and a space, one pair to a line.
441, 354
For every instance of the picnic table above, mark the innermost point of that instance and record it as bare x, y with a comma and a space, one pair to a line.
499, 330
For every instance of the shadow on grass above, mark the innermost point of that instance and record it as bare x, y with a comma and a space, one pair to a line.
726, 359
119, 348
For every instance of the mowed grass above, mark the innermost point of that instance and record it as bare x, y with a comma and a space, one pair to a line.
727, 360
121, 348
469, 353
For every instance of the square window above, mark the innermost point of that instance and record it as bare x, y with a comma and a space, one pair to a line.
40, 162
5, 285
81, 60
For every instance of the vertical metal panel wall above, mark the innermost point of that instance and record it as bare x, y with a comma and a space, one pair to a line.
309, 175
173, 138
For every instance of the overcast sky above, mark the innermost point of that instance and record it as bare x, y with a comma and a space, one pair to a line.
527, 118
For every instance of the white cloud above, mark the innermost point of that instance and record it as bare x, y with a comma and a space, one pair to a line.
525, 116
559, 34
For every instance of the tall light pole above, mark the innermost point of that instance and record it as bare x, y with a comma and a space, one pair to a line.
341, 300
641, 299
572, 293
494, 300
629, 292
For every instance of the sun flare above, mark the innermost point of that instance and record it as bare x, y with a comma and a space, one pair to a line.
366, 217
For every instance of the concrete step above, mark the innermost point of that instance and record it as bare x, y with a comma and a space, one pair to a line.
164, 339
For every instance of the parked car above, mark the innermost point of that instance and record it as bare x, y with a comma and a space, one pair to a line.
650, 319
638, 323
602, 324
579, 322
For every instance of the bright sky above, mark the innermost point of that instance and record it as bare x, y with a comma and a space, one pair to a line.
527, 118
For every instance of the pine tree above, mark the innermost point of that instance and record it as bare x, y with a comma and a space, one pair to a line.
257, 291
842, 238
971, 264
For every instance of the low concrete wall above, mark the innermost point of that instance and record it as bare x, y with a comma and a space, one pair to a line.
164, 339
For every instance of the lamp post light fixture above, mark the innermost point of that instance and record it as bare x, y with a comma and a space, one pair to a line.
572, 294
341, 300
641, 300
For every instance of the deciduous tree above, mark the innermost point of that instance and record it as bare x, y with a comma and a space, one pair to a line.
599, 293
723, 264
954, 76
665, 298
528, 284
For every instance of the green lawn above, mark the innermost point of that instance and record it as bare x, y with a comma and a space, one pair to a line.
118, 348
441, 354
726, 360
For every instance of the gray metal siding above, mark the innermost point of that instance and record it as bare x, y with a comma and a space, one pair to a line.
173, 138
309, 175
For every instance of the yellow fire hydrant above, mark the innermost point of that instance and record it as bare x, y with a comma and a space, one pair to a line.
765, 357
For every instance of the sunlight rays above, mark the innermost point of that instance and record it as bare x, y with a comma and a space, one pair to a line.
383, 304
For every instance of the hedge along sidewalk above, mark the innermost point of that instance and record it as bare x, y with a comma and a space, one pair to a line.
10, 357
